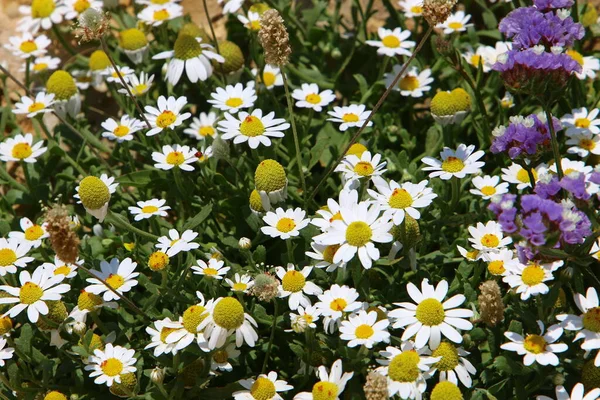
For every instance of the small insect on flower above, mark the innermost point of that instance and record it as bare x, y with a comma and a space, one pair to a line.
167, 115
21, 148
234, 98
110, 364
537, 348
331, 383
31, 234
94, 193
214, 269
310, 96
31, 108
284, 224
147, 209
254, 128
118, 275
121, 131
203, 127
27, 46
392, 43
350, 116
262, 388
412, 83
295, 286
175, 156
455, 163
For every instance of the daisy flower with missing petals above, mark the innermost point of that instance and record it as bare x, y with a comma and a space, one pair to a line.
59, 267
31, 234
484, 56
305, 318
6, 353
472, 255
35, 290
147, 209
392, 42
40, 105
187, 330
175, 243
167, 116
252, 128
42, 14
27, 46
233, 98
251, 21
270, 77
138, 86
21, 148
262, 388
396, 199
203, 127
94, 193
155, 15
430, 319
412, 83
114, 76
595, 250
334, 302
581, 120
488, 237
225, 316
578, 393
240, 283
411, 8
488, 186
109, 364
41, 64
310, 96
214, 269
118, 275
364, 329
295, 286
323, 255
350, 116
332, 211
583, 143
13, 252
158, 333
284, 224
529, 278
589, 64
123, 130
508, 101
453, 364
331, 384
456, 22
175, 157
517, 175
353, 168
220, 358
537, 348
455, 163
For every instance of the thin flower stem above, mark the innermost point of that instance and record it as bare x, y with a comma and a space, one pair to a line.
12, 181
295, 133
555, 149
214, 37
455, 193
375, 109
27, 71
480, 105
271, 338
63, 41
122, 223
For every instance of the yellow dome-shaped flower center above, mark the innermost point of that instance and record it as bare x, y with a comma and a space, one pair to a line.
254, 25
252, 126
476, 60
449, 355
269, 176
523, 176
358, 234
221, 356
400, 198
88, 301
139, 89
496, 267
336, 217
158, 261
239, 286
263, 389
453, 164
115, 281
533, 275
228, 313
149, 209
472, 255
364, 331
98, 61
350, 117
175, 158
416, 9
587, 144
186, 47
391, 41
255, 201
234, 102
590, 375
488, 190
81, 5
409, 83
293, 281
165, 119
490, 240
7, 257
121, 131
38, 67
62, 85
575, 55
28, 46
165, 332
35, 107
329, 252
308, 318
21, 151
404, 367
205, 131
6, 325
268, 78
582, 123
430, 312
93, 193
112, 367
455, 25
161, 15
54, 395
591, 319
446, 390
535, 344
364, 168
30, 293
34, 232
285, 225
325, 390
192, 317
42, 8
338, 304
313, 98
62, 270
357, 149
210, 271
133, 39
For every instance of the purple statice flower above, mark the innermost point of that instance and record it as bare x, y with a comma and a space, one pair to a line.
575, 183
547, 186
575, 226
505, 209
552, 4
595, 177
538, 217
525, 136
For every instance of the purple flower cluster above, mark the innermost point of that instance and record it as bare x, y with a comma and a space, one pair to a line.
523, 136
549, 186
552, 4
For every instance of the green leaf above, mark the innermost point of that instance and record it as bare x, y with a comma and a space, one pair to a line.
138, 178
260, 254
198, 218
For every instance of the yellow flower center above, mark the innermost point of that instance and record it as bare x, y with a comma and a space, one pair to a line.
357, 149
591, 319
453, 164
338, 304
62, 85
93, 193
430, 312
62, 270
329, 252
161, 15
285, 225
252, 126
186, 47
523, 176
416, 9
446, 390
159, 1
269, 78
262, 389
175, 158
149, 209
129, 245
81, 5
228, 313
449, 355
587, 144
34, 107
293, 281
165, 119
364, 168
350, 117
455, 25
496, 267
314, 98
158, 261
325, 390
239, 286
471, 255
34, 232
476, 60
30, 293
391, 41
28, 46
490, 240
575, 55
308, 318
112, 367
364, 331
533, 275
254, 25
400, 198
535, 344
220, 356
269, 176
234, 102
165, 332
121, 131
210, 271
192, 317
42, 8
40, 67
336, 217
404, 367
6, 325
488, 190
582, 123
21, 151
115, 281
358, 233
132, 39
139, 89
205, 131
409, 83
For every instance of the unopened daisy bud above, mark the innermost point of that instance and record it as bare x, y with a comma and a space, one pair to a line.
95, 343
450, 107
491, 307
88, 301
446, 390
411, 234
158, 261
590, 375
266, 287
57, 313
357, 149
271, 182
126, 387
79, 328
244, 243
274, 38
92, 24
191, 29
157, 376
376, 386
98, 61
6, 325
437, 11
134, 44
55, 395
220, 149
234, 58
64, 240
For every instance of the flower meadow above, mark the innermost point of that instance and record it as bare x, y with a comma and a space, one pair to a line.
319, 201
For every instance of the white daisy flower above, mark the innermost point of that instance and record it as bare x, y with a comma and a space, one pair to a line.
21, 148
42, 64
31, 234
595, 250
233, 98
138, 86
488, 186
214, 269
109, 364
411, 8
147, 209
350, 116
240, 283
453, 364
324, 254
500, 263
27, 46
13, 254
508, 101
158, 335
310, 96
332, 211
123, 130
578, 393
263, 387
157, 2
583, 143
59, 267
220, 358
203, 127
118, 275
295, 286
353, 168
40, 105
529, 278
74, 8
270, 77
472, 255
252, 128
589, 64
187, 330
412, 83
284, 224
95, 193
488, 237
175, 156
570, 166
175, 243
537, 348
167, 116
155, 15
331, 384
517, 175
41, 15
455, 163
334, 302
392, 42
6, 353
396, 199
225, 316
456, 22
484, 56
35, 290
85, 78
581, 120
231, 6
112, 75
430, 319
364, 329
306, 318
251, 21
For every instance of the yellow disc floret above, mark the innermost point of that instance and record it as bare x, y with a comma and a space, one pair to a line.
496, 267
269, 176
21, 151
357, 149
158, 261
400, 198
94, 193
186, 47
404, 367
57, 313
453, 164
430, 312
126, 387
293, 281
98, 61
364, 168
42, 8
461, 99
62, 85
88, 301
192, 317
7, 257
111, 366
442, 104
95, 343
446, 390
191, 29
132, 39
234, 58
252, 126
533, 275
255, 201
262, 389
591, 319
229, 313
449, 355
6, 325
325, 390
55, 395
535, 344
30, 293
358, 233
286, 225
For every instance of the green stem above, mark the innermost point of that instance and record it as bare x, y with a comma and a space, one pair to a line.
290, 250
214, 38
555, 149
271, 338
455, 193
294, 131
62, 40
27, 71
12, 181
98, 322
122, 223
67, 157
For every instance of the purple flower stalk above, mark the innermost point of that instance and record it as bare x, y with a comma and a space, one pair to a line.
524, 136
